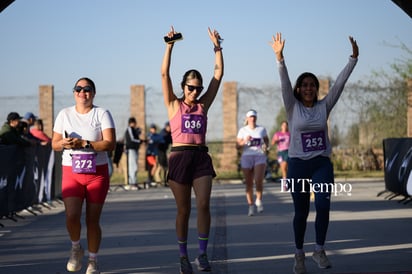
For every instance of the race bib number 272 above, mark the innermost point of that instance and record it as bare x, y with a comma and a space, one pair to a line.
84, 163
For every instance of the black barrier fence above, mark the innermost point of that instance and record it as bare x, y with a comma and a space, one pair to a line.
28, 176
32, 175
398, 165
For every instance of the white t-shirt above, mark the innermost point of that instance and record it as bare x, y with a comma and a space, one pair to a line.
258, 134
87, 126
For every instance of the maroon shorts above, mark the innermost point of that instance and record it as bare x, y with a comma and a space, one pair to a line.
92, 186
188, 165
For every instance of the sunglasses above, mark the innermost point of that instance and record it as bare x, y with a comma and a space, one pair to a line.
85, 89
192, 88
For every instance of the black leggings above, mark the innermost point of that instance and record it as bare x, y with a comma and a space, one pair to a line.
304, 174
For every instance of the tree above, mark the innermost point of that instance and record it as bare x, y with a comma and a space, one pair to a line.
280, 117
352, 137
335, 136
383, 103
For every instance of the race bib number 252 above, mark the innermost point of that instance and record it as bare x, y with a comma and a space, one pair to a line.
313, 141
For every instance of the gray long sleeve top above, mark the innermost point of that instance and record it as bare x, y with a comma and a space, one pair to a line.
308, 125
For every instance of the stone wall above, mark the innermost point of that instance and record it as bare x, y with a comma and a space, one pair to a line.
138, 111
228, 156
361, 159
46, 108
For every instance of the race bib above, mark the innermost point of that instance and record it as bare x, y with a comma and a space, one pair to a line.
84, 163
255, 142
313, 141
193, 124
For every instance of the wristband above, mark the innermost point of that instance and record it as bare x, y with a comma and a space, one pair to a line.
216, 49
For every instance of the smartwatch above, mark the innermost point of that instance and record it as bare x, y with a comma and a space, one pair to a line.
87, 144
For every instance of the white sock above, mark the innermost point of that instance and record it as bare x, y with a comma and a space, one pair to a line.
92, 256
76, 244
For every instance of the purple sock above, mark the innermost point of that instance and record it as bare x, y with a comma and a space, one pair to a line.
182, 246
203, 240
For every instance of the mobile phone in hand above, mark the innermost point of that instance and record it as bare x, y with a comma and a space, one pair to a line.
66, 135
174, 38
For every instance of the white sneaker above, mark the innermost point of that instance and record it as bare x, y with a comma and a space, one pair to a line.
259, 206
92, 267
251, 211
75, 261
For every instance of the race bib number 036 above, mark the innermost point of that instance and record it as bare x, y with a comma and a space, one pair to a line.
84, 163
193, 124
313, 141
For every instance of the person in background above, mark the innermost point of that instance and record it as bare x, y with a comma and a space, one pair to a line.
162, 156
85, 133
23, 130
190, 165
254, 141
10, 133
153, 141
282, 140
310, 149
37, 131
132, 145
30, 118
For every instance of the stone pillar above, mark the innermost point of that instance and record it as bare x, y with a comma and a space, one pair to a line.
409, 112
46, 107
229, 159
138, 110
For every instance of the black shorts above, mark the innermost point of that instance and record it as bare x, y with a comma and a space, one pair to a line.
186, 165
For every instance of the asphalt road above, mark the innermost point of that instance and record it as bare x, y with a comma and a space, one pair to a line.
367, 234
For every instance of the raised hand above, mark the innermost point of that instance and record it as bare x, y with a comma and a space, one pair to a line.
171, 36
277, 45
355, 48
215, 37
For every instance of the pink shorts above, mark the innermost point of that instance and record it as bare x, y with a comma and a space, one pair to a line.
249, 161
93, 186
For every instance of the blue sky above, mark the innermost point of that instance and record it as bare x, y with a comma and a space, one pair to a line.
120, 43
